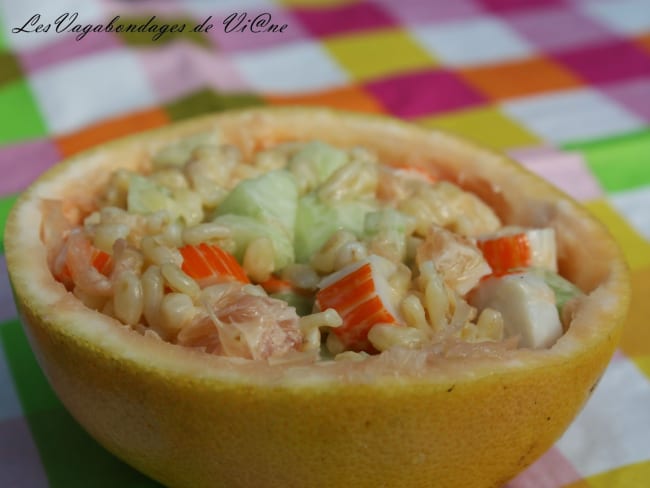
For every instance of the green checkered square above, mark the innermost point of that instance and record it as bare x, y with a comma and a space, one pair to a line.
618, 162
71, 458
20, 118
6, 203
139, 39
9, 68
33, 389
207, 100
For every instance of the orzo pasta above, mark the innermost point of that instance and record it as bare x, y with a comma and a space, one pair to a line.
305, 251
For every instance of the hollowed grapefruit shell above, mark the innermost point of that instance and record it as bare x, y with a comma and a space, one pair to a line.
190, 419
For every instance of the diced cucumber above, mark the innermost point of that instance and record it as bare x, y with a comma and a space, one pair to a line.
178, 153
271, 198
387, 219
314, 163
564, 290
316, 221
302, 303
386, 232
145, 196
244, 229
188, 205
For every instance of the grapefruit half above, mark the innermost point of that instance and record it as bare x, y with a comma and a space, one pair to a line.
395, 419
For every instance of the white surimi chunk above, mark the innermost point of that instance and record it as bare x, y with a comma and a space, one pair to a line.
527, 305
542, 247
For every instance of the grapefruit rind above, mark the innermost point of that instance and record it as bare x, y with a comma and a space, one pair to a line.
191, 419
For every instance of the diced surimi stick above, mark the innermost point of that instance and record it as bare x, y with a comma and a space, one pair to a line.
278, 285
100, 260
527, 305
359, 293
515, 247
209, 264
506, 252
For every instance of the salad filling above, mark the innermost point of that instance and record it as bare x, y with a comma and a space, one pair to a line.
305, 251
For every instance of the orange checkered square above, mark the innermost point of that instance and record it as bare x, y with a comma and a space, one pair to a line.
110, 129
644, 41
520, 78
347, 98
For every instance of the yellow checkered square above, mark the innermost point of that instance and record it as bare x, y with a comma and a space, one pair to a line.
485, 125
632, 475
635, 248
377, 53
635, 341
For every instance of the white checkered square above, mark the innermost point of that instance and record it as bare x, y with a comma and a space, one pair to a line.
298, 67
572, 115
79, 92
473, 42
623, 16
634, 206
614, 427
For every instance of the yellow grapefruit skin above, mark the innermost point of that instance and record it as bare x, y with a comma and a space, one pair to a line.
192, 420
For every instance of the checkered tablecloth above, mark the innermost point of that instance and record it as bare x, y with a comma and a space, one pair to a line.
563, 86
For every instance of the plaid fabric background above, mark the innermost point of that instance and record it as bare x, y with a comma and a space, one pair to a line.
563, 86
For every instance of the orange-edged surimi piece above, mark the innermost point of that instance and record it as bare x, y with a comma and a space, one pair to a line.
359, 293
514, 248
506, 252
100, 260
274, 284
209, 264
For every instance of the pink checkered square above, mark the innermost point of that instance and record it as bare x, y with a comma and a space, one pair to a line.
557, 28
66, 47
415, 12
180, 68
501, 6
20, 164
566, 170
344, 18
634, 95
423, 93
550, 471
608, 61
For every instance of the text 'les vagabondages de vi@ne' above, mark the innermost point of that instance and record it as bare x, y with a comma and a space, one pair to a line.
235, 22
